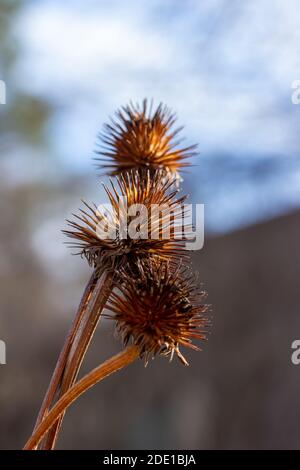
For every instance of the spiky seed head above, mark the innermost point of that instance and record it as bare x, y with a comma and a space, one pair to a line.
160, 233
159, 309
142, 138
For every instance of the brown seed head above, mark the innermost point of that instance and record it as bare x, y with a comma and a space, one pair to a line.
159, 309
159, 232
142, 138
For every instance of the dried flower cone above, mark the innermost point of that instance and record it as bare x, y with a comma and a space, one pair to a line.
159, 309
142, 138
161, 234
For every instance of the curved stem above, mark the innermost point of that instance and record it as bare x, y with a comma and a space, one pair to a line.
63, 357
84, 334
117, 362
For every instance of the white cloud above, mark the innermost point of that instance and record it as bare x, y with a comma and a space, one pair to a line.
225, 67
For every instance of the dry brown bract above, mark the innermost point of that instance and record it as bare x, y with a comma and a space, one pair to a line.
162, 231
160, 309
141, 137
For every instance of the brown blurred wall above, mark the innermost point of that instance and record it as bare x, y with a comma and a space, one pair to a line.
242, 391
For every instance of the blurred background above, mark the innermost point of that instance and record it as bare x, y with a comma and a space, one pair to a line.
227, 68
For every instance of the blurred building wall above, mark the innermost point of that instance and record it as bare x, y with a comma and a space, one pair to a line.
242, 391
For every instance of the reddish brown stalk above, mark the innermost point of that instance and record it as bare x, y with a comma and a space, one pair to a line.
84, 334
117, 362
63, 357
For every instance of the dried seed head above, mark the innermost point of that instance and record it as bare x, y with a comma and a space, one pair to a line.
159, 309
141, 137
105, 235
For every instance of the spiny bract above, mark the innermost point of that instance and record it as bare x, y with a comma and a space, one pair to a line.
142, 138
160, 234
159, 309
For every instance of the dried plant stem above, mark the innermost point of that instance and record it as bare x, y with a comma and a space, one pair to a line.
63, 357
117, 362
80, 344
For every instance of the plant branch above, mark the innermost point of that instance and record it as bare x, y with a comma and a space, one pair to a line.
84, 334
117, 362
63, 357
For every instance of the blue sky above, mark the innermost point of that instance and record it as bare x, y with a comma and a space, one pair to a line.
225, 66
